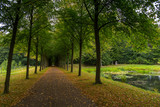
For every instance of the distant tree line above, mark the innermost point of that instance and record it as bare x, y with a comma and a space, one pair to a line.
123, 56
18, 58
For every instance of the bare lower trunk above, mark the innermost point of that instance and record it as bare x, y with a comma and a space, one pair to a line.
41, 59
80, 58
29, 43
41, 63
80, 43
15, 27
72, 57
96, 30
40, 69
36, 56
67, 61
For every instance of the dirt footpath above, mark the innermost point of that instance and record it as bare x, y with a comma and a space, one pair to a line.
55, 90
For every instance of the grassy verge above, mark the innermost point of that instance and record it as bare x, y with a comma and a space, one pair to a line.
18, 86
19, 69
122, 68
112, 93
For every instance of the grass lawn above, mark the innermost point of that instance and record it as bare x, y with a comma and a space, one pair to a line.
113, 93
18, 86
126, 67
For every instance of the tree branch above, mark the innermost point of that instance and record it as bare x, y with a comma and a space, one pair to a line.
129, 25
88, 11
107, 24
40, 29
37, 19
10, 15
71, 27
104, 5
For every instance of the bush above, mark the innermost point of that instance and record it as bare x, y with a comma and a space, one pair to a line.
139, 60
88, 60
106, 59
4, 65
123, 78
20, 63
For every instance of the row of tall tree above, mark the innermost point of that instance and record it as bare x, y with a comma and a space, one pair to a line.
25, 22
59, 29
80, 21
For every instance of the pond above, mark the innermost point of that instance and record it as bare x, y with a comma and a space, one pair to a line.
148, 82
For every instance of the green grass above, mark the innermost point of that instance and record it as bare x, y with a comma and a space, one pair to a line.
18, 86
112, 93
124, 68
15, 71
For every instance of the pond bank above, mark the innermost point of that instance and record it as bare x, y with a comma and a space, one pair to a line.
112, 93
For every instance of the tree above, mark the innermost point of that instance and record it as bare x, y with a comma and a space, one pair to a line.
77, 22
36, 16
29, 42
10, 16
64, 41
107, 13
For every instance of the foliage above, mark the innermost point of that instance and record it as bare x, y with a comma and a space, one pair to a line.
88, 59
120, 50
19, 59
107, 31
4, 65
123, 78
3, 54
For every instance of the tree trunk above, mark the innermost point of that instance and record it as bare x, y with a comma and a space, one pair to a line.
15, 28
29, 43
41, 58
72, 57
41, 63
80, 43
40, 66
80, 57
67, 61
36, 56
96, 30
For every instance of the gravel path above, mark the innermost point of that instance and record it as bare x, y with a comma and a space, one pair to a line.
55, 90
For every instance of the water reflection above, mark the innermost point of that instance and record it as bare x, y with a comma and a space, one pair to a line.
147, 82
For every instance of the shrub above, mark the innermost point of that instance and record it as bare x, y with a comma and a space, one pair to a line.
123, 78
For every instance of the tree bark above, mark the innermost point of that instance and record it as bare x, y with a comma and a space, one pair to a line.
72, 57
29, 43
80, 57
36, 56
41, 63
41, 66
96, 30
80, 43
67, 61
15, 28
